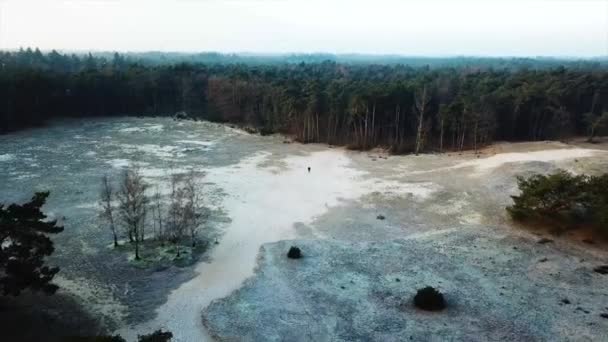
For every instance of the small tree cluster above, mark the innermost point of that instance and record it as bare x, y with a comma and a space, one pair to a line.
172, 219
186, 212
563, 198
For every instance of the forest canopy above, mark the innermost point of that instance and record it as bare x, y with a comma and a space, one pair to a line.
354, 100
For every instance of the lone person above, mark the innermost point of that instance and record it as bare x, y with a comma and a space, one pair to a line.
309, 169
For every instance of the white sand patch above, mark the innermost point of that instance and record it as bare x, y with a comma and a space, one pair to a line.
119, 163
485, 164
6, 157
131, 129
151, 172
145, 128
98, 300
197, 142
263, 206
19, 175
395, 189
471, 218
163, 152
90, 205
154, 128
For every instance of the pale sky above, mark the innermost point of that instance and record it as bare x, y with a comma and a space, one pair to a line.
409, 27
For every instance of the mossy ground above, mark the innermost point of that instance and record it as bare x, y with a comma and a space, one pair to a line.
158, 255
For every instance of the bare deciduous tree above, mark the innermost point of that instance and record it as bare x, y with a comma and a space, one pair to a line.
107, 208
132, 205
194, 211
186, 212
157, 214
175, 215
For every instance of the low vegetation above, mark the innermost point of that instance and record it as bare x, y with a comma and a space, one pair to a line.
157, 336
563, 200
24, 246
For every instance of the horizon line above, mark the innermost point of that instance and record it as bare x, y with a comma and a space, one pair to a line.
295, 53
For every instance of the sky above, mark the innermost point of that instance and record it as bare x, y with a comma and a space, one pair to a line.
576, 28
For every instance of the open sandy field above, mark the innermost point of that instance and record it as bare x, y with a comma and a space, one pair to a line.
445, 226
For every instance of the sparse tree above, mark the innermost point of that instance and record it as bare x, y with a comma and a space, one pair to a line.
157, 214
175, 218
107, 207
193, 211
132, 205
186, 212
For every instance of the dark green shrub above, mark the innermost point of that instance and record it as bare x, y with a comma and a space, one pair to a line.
430, 299
294, 253
157, 336
563, 199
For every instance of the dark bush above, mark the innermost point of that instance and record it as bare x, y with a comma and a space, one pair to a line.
294, 253
157, 336
563, 199
601, 269
429, 299
103, 338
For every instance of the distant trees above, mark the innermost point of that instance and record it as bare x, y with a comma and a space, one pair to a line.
421, 103
445, 105
24, 245
564, 199
173, 219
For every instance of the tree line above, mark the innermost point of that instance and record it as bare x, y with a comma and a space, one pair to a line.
362, 105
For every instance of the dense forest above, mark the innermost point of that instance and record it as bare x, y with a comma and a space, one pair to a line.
414, 107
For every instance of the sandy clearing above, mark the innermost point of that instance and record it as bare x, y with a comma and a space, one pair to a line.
264, 205
485, 164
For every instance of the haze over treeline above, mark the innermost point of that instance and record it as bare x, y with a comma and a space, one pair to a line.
412, 27
403, 103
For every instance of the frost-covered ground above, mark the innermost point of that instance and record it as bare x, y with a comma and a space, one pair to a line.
263, 193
